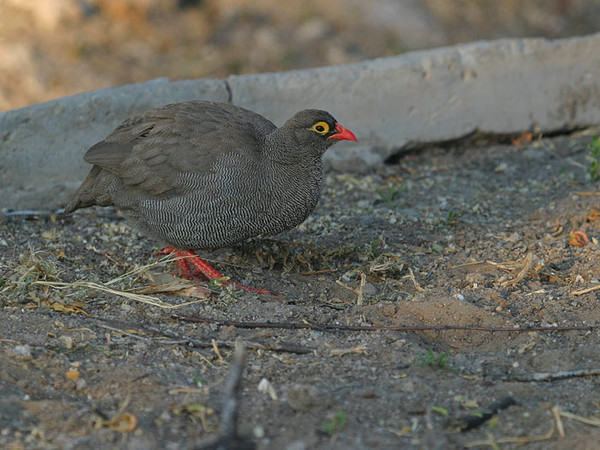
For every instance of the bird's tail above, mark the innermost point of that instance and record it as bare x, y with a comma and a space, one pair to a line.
93, 191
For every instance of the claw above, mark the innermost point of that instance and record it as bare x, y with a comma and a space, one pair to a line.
190, 265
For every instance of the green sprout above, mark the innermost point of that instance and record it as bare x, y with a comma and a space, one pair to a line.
375, 247
198, 381
335, 423
452, 218
439, 362
390, 193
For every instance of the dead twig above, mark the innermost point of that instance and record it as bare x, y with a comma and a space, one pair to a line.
527, 265
551, 376
123, 332
318, 272
363, 281
559, 425
587, 420
585, 291
15, 341
521, 440
482, 415
228, 436
362, 349
502, 265
371, 328
359, 291
215, 347
31, 213
232, 390
173, 339
411, 275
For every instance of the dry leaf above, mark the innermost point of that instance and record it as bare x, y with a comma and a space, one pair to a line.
72, 375
163, 283
193, 292
525, 138
48, 234
578, 239
125, 423
593, 215
61, 307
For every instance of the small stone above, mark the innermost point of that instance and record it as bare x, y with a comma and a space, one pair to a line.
259, 432
501, 167
475, 278
265, 387
369, 289
297, 445
80, 384
304, 397
22, 351
66, 341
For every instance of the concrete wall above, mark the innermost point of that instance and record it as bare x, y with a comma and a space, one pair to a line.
503, 86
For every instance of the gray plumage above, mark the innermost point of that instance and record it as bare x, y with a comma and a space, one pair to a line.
203, 175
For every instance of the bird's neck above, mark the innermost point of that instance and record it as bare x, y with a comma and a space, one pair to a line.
284, 149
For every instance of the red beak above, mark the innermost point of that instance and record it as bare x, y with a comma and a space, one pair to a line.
343, 134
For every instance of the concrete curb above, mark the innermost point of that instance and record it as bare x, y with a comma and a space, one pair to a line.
504, 86
501, 86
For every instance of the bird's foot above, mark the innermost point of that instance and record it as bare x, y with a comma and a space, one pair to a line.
190, 265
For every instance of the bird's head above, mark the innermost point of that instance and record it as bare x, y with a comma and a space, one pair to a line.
317, 130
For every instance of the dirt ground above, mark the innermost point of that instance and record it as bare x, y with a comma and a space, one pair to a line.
94, 353
463, 236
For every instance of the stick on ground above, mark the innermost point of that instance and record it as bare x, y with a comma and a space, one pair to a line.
480, 416
228, 436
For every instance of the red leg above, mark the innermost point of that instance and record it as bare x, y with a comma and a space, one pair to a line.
183, 268
191, 265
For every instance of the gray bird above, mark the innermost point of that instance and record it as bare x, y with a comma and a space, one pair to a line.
205, 175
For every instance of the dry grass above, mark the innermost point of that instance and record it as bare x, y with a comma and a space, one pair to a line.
34, 269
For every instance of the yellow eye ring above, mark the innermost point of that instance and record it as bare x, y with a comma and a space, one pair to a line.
320, 127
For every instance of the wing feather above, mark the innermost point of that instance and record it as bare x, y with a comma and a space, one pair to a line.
149, 152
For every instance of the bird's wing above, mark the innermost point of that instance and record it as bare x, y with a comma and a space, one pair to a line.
151, 151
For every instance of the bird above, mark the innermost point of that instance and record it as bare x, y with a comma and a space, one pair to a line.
202, 175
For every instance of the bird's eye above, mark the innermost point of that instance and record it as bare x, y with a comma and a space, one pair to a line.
320, 127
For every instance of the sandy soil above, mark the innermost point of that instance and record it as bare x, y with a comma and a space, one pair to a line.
467, 237
470, 236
